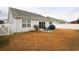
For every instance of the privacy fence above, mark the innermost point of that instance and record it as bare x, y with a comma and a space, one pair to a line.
67, 26
5, 29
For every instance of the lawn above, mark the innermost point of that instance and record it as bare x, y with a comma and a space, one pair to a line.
57, 40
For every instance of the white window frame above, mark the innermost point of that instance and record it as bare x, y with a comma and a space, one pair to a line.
24, 23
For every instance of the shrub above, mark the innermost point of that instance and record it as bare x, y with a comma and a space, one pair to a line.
4, 42
36, 27
52, 27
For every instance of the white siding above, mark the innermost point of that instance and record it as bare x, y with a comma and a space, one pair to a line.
46, 24
55, 22
34, 22
19, 26
12, 22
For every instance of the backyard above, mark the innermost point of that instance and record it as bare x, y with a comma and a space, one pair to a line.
57, 40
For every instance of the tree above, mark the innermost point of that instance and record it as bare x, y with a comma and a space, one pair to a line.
1, 21
78, 20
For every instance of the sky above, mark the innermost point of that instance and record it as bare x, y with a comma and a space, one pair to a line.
62, 13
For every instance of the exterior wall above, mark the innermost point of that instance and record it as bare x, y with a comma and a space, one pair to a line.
56, 22
16, 24
37, 23
19, 26
47, 24
33, 22
12, 22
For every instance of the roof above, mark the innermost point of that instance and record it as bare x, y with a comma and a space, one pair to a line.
56, 20
21, 14
18, 14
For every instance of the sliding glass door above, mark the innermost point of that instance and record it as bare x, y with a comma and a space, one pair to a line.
41, 24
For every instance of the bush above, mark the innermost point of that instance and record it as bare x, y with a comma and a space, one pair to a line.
36, 27
4, 42
52, 27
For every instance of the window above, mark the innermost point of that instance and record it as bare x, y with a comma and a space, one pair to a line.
50, 22
23, 23
28, 23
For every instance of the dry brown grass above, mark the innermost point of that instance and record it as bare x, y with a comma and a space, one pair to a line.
58, 40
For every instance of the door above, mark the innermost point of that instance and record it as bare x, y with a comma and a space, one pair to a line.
42, 25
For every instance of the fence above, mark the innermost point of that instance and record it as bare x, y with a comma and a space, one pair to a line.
67, 26
5, 29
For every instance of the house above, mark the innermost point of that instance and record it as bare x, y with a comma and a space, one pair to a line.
22, 21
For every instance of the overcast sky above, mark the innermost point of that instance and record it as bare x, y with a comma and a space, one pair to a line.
62, 13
